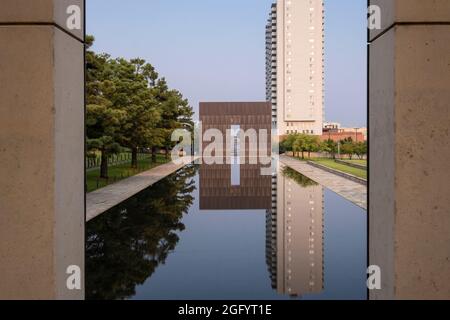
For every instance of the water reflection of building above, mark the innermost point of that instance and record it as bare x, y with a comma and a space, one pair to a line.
294, 243
293, 203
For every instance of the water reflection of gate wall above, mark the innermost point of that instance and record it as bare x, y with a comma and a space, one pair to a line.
218, 193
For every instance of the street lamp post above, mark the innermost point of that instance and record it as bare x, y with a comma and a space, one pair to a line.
339, 150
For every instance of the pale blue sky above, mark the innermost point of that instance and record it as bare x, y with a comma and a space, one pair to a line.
214, 50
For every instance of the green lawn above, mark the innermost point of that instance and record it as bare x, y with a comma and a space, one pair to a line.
342, 167
357, 161
119, 172
121, 157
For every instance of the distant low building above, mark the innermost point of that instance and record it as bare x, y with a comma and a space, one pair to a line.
334, 131
342, 135
328, 126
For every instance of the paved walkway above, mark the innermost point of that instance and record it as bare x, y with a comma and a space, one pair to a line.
105, 198
352, 191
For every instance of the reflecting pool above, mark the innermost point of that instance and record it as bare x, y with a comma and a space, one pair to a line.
221, 232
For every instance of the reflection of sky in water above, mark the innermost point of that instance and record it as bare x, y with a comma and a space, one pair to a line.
221, 254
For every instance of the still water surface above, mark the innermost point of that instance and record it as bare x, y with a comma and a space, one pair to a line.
214, 232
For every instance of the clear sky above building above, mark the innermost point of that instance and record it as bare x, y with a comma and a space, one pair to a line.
214, 50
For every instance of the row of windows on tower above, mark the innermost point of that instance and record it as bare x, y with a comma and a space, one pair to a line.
290, 59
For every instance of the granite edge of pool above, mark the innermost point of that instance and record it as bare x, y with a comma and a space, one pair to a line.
350, 190
101, 200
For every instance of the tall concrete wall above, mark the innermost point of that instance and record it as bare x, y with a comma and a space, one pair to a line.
409, 149
41, 149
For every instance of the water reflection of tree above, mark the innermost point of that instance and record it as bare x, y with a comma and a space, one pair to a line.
302, 180
124, 246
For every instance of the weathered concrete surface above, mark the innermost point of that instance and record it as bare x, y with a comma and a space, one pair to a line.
350, 190
106, 198
40, 11
410, 11
41, 151
381, 163
409, 220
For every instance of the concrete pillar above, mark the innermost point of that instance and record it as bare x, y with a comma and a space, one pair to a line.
41, 148
409, 217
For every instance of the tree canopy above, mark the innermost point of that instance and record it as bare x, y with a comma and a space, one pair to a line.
129, 106
303, 143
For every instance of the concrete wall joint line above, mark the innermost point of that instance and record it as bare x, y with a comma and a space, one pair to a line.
49, 24
417, 23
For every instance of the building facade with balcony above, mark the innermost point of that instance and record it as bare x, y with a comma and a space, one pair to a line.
294, 66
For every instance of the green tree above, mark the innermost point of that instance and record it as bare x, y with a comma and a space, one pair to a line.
360, 149
348, 147
331, 147
102, 121
176, 113
288, 143
133, 81
102, 124
129, 106
301, 144
312, 144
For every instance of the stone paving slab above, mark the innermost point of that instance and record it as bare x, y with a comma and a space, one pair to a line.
106, 198
350, 190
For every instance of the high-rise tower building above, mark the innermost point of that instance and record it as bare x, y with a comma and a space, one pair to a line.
295, 66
